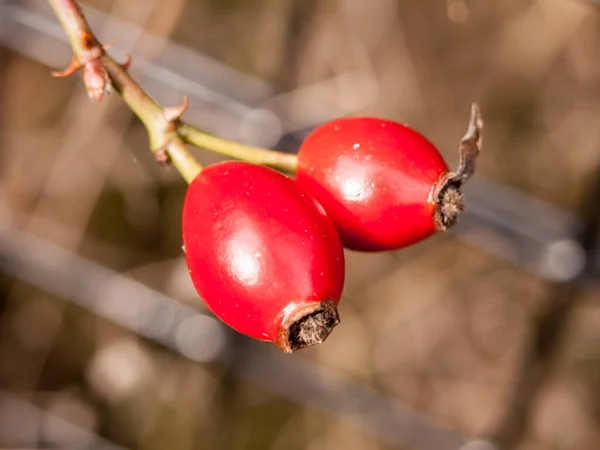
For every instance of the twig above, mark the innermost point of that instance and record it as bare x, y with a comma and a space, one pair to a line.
285, 162
549, 329
167, 133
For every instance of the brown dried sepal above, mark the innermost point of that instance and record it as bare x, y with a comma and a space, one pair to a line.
446, 193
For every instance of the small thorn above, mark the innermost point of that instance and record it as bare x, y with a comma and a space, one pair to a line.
110, 44
73, 67
127, 64
174, 113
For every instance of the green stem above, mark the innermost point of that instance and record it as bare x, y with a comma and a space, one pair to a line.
72, 20
143, 106
285, 162
183, 161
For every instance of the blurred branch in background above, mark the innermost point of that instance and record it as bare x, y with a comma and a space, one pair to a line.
549, 327
300, 19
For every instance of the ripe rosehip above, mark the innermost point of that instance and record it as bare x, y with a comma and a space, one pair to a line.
263, 254
384, 185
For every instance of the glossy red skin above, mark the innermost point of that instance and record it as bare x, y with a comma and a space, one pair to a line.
257, 247
374, 178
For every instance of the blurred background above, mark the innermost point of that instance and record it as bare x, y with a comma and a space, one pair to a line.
486, 337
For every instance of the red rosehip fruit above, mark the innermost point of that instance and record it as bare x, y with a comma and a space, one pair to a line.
263, 254
384, 185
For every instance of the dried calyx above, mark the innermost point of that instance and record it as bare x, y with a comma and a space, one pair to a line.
309, 325
447, 193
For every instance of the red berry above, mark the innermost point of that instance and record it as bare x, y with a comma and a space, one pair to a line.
263, 254
384, 185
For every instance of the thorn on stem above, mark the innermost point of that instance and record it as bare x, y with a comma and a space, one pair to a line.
127, 64
73, 67
109, 45
174, 113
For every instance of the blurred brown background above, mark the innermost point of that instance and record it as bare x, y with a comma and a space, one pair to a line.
485, 337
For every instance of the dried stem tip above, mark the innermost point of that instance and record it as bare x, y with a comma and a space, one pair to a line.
308, 325
447, 191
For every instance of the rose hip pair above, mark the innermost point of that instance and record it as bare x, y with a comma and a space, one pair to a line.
264, 251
